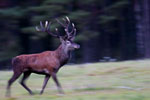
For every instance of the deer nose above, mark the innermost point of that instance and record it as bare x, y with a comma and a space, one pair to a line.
77, 46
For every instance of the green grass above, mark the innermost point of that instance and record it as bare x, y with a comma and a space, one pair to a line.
128, 80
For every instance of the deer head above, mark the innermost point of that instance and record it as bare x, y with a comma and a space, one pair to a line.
66, 40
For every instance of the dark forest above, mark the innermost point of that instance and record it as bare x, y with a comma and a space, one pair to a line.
107, 30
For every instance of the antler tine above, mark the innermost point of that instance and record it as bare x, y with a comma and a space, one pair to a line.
49, 31
73, 27
66, 26
37, 28
67, 22
56, 29
46, 24
42, 27
68, 19
60, 22
73, 30
46, 28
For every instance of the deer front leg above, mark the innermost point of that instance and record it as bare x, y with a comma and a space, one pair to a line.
45, 82
22, 82
57, 83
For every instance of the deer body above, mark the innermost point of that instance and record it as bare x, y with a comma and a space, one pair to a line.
47, 63
44, 63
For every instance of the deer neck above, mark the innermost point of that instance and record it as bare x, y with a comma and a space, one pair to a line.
63, 55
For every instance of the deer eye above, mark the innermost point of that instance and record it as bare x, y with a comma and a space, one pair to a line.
67, 42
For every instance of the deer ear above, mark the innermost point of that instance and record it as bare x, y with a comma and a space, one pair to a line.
72, 38
61, 39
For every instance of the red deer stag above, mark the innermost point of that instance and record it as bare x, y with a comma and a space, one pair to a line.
47, 63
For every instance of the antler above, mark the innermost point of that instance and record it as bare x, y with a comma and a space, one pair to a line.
46, 28
66, 25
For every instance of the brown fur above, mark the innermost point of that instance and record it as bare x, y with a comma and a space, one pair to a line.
46, 63
36, 62
50, 60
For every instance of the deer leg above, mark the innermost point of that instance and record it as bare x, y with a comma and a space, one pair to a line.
57, 83
22, 82
45, 83
12, 79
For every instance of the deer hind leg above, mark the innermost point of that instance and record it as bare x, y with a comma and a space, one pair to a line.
22, 82
12, 79
57, 83
45, 83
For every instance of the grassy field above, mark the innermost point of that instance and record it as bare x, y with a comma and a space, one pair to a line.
128, 80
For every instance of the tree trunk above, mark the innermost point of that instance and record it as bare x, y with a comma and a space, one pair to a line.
146, 27
139, 27
143, 27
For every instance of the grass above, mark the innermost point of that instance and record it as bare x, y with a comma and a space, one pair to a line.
129, 80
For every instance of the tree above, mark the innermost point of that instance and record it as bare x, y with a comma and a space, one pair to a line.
142, 18
104, 28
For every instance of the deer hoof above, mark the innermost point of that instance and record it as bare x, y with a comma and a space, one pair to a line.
31, 93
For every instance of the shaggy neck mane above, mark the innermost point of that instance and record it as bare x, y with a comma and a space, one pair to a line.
63, 54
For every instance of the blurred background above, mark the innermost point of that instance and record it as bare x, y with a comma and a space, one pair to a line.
113, 33
107, 30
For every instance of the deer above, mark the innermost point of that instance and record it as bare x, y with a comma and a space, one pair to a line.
45, 63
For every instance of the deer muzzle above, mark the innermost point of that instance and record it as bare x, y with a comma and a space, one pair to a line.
76, 46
